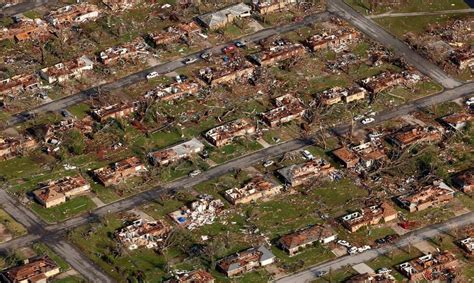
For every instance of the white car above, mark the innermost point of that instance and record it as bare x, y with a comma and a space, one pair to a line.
367, 121
344, 243
364, 248
190, 60
268, 163
470, 101
308, 155
152, 75
195, 173
353, 250
384, 270
358, 117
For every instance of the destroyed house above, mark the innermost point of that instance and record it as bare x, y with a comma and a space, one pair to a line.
66, 70
119, 171
257, 188
465, 180
292, 243
72, 14
47, 132
114, 111
429, 267
367, 216
280, 50
164, 37
334, 40
175, 153
295, 175
429, 196
337, 94
467, 245
141, 233
25, 29
463, 58
174, 91
224, 134
125, 52
235, 68
221, 18
195, 276
245, 261
18, 84
268, 6
288, 108
382, 81
57, 192
11, 147
120, 5
36, 269
201, 212
348, 158
174, 33
365, 154
457, 121
415, 134
372, 278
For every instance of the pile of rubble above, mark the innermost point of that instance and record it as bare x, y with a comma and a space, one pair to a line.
142, 233
201, 212
447, 44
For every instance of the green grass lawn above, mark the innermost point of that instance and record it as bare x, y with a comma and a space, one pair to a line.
237, 148
70, 279
340, 275
80, 110
64, 211
15, 228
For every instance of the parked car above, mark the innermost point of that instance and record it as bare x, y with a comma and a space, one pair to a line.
152, 75
206, 55
320, 273
228, 49
363, 248
240, 44
368, 121
205, 154
358, 117
344, 243
195, 173
470, 101
268, 163
391, 238
188, 61
384, 270
353, 250
65, 113
308, 155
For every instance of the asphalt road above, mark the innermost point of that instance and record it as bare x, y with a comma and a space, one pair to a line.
414, 14
164, 68
462, 91
24, 7
373, 30
409, 238
77, 260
